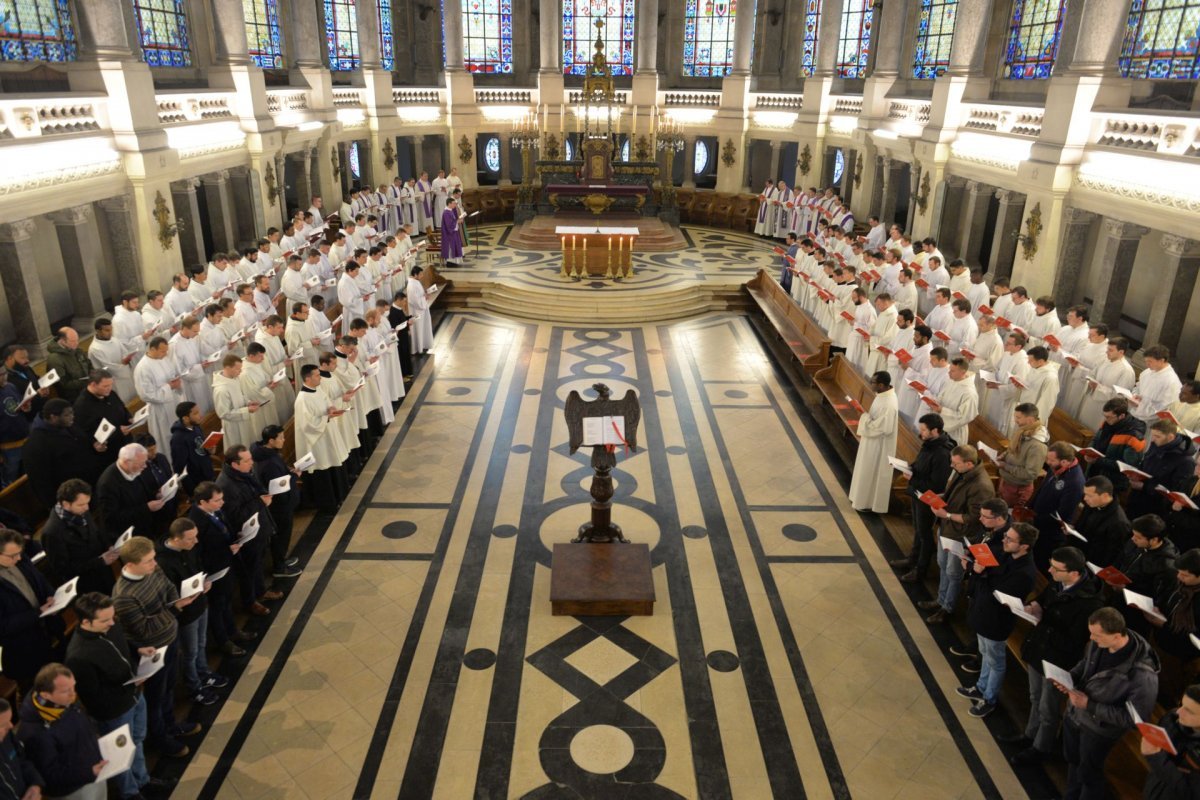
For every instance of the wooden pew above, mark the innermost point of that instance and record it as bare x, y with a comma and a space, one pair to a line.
798, 331
1065, 428
981, 429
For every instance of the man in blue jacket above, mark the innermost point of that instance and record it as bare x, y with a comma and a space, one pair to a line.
18, 775
58, 736
1060, 493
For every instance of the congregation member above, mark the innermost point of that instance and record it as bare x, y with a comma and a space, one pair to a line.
1022, 462
1056, 499
56, 450
965, 494
75, 546
218, 546
245, 498
1157, 387
1120, 438
1102, 522
27, 639
317, 432
1174, 777
267, 455
58, 738
930, 472
1169, 461
1177, 603
98, 403
159, 384
237, 412
69, 362
187, 447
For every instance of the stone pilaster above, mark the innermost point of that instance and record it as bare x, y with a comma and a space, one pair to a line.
973, 222
1076, 227
22, 286
1004, 239
79, 243
187, 212
1177, 275
220, 210
122, 236
1112, 263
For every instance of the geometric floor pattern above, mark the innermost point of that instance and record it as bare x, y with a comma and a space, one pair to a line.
417, 657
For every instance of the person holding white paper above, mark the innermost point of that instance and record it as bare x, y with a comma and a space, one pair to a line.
188, 356
255, 380
1059, 638
366, 401
49, 718
27, 639
273, 472
270, 336
990, 620
246, 497
930, 472
421, 325
157, 380
1170, 460
970, 505
376, 367
317, 433
1158, 385
301, 337
99, 402
237, 412
108, 353
1003, 395
871, 483
1041, 384
1022, 462
956, 401
1097, 716
74, 545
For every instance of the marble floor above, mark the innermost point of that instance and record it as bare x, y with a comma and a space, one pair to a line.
417, 656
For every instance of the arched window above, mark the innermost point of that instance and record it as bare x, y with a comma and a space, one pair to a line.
387, 47
36, 30
487, 35
262, 33
812, 21
1033, 38
700, 163
162, 28
569, 150
839, 165
625, 151
491, 154
854, 41
352, 160
579, 34
708, 37
1161, 40
935, 34
341, 35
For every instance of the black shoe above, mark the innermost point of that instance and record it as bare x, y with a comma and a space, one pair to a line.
971, 665
937, 617
928, 605
215, 681
291, 562
186, 729
969, 692
159, 787
287, 572
1015, 738
205, 697
244, 636
231, 649
902, 563
910, 577
981, 709
962, 651
1028, 757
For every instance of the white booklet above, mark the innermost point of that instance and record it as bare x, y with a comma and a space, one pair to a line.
990, 452
118, 749
306, 462
191, 586
149, 665
49, 379
249, 530
603, 431
901, 465
954, 546
140, 416
169, 489
104, 431
63, 596
1054, 672
216, 576
1144, 603
1016, 606
122, 539
280, 485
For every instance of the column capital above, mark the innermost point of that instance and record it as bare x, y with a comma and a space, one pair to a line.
978, 188
956, 181
1077, 216
1009, 196
17, 231
218, 176
73, 215
1119, 229
885, 162
1178, 246
117, 203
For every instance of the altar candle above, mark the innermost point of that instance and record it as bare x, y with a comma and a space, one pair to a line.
562, 118
633, 126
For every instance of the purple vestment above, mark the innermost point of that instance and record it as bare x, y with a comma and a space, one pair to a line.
451, 239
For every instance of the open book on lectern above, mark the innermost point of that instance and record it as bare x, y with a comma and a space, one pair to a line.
603, 430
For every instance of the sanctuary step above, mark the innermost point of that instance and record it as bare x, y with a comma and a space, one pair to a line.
655, 236
610, 303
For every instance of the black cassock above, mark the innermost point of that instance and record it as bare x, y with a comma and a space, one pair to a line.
395, 317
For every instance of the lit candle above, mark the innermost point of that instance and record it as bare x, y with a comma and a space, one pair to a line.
633, 126
562, 118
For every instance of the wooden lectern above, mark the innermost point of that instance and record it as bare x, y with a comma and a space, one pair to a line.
600, 573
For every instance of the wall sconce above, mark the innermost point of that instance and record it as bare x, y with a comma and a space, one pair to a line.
389, 153
272, 186
465, 151
162, 215
728, 153
1033, 227
805, 160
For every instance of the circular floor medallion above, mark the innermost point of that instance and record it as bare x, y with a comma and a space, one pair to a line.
602, 749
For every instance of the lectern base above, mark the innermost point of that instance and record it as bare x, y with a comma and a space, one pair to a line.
601, 580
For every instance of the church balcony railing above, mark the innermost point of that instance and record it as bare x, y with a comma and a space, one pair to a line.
198, 106
282, 101
691, 99
505, 97
847, 104
432, 96
347, 98
1153, 132
994, 118
30, 116
575, 98
778, 102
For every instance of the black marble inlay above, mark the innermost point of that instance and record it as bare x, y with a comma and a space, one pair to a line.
723, 661
676, 450
597, 284
504, 531
533, 392
694, 532
653, 351
479, 658
540, 350
521, 449
736, 394
662, 393
458, 391
799, 533
400, 529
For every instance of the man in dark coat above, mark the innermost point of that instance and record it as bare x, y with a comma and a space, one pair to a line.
1176, 777
966, 491
57, 735
1059, 637
397, 314
72, 365
930, 471
245, 497
74, 545
215, 542
268, 466
27, 639
57, 451
122, 499
187, 451
1102, 522
1178, 600
991, 620
100, 401
1060, 493
1170, 460
1122, 437
1148, 560
17, 773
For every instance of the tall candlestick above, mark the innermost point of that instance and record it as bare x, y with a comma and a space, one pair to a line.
562, 119
633, 126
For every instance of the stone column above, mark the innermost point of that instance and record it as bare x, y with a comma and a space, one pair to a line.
1112, 263
882, 165
1091, 37
1178, 278
23, 286
743, 39
418, 155
830, 26
79, 242
1077, 224
367, 15
187, 213
298, 165
103, 32
689, 162
953, 188
249, 220
974, 221
1004, 238
890, 38
775, 152
220, 209
505, 159
889, 198
550, 35
122, 235
229, 32
847, 186
306, 40
452, 34
970, 37
646, 54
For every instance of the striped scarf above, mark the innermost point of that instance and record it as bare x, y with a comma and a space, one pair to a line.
48, 711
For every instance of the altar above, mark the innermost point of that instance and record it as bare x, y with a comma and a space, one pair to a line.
596, 197
597, 250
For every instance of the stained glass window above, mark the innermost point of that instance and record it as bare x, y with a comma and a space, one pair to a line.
162, 27
36, 30
854, 41
262, 33
812, 20
352, 159
387, 47
487, 31
341, 35
1161, 40
569, 149
625, 151
701, 161
1033, 38
839, 166
491, 154
579, 34
935, 34
708, 37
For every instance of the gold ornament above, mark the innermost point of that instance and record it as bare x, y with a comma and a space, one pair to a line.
1033, 227
858, 165
805, 160
389, 153
729, 153
465, 151
272, 186
162, 215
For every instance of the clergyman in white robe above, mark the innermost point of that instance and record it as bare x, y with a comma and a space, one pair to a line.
871, 483
153, 378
